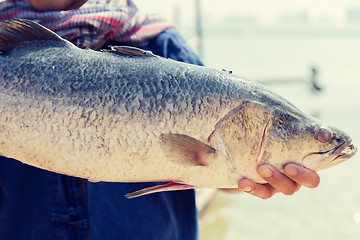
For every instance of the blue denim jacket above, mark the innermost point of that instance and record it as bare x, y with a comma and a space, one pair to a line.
41, 205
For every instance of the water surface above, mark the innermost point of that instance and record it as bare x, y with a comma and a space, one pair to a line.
332, 211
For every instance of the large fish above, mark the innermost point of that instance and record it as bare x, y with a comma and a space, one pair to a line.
126, 115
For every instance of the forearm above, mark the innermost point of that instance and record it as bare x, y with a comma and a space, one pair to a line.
53, 5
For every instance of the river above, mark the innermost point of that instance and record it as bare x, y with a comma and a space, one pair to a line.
332, 211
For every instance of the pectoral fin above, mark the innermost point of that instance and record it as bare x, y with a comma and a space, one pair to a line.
171, 186
185, 149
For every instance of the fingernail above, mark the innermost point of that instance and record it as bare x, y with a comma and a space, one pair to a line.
291, 170
246, 189
245, 185
265, 171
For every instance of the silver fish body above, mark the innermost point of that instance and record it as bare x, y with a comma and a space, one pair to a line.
128, 116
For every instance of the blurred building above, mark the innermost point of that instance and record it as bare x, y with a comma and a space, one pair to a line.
300, 17
353, 15
240, 20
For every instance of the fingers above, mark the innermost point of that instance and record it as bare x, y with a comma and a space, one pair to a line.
302, 175
278, 180
263, 191
295, 176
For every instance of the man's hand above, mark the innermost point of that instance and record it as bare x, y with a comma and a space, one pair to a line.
295, 176
53, 5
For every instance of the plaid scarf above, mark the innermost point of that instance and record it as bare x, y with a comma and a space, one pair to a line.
94, 23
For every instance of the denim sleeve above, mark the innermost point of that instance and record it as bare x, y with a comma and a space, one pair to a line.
170, 44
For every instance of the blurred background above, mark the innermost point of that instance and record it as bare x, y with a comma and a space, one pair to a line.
308, 52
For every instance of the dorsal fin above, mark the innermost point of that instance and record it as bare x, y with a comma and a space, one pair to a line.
127, 50
14, 33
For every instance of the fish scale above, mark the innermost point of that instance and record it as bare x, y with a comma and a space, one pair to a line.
126, 115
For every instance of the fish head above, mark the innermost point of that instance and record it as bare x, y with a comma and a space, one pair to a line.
255, 133
306, 140
331, 147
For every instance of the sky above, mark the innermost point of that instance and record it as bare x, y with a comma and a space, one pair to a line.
265, 10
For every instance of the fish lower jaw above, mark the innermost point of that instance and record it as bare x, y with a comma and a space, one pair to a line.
344, 155
347, 152
330, 158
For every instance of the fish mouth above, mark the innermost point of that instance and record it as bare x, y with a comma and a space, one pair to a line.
345, 150
332, 157
341, 153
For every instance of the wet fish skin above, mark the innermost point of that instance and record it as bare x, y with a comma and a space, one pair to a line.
103, 116
97, 116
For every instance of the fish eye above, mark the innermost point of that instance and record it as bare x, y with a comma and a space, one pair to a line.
324, 135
